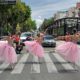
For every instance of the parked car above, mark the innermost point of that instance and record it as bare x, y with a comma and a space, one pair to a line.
26, 36
48, 40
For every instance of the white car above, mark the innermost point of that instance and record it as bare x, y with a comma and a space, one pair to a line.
25, 35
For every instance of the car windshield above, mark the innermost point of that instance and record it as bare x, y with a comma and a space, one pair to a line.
25, 35
48, 37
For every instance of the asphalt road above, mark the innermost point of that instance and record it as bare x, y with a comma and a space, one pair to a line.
29, 67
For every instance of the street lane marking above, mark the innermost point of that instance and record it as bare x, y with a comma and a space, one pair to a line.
67, 66
35, 68
19, 67
3, 66
78, 62
50, 65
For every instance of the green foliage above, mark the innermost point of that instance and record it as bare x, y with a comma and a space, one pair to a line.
47, 22
14, 14
28, 25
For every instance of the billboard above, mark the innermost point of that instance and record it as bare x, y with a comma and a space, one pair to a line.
7, 2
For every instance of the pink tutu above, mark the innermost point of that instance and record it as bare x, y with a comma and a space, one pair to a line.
70, 51
2, 45
7, 53
34, 48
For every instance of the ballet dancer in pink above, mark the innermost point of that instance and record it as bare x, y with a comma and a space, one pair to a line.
70, 50
35, 47
7, 51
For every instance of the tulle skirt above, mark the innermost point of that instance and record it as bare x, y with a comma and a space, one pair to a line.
2, 45
34, 48
7, 52
70, 51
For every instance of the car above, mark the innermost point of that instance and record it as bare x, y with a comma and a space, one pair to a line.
26, 36
48, 40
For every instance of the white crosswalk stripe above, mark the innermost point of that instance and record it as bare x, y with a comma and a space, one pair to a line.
50, 65
19, 67
35, 68
3, 67
67, 66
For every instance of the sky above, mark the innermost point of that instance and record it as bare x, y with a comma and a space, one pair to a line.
42, 9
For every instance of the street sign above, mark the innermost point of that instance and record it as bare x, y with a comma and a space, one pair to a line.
3, 2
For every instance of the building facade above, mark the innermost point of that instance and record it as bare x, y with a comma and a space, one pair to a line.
66, 21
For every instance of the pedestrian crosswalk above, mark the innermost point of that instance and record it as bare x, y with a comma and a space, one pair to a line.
66, 66
19, 66
50, 65
36, 66
3, 66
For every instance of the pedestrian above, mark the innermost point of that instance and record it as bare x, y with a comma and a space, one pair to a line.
70, 50
7, 51
18, 47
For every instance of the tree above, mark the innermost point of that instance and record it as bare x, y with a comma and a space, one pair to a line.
3, 17
28, 25
15, 18
19, 14
46, 23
